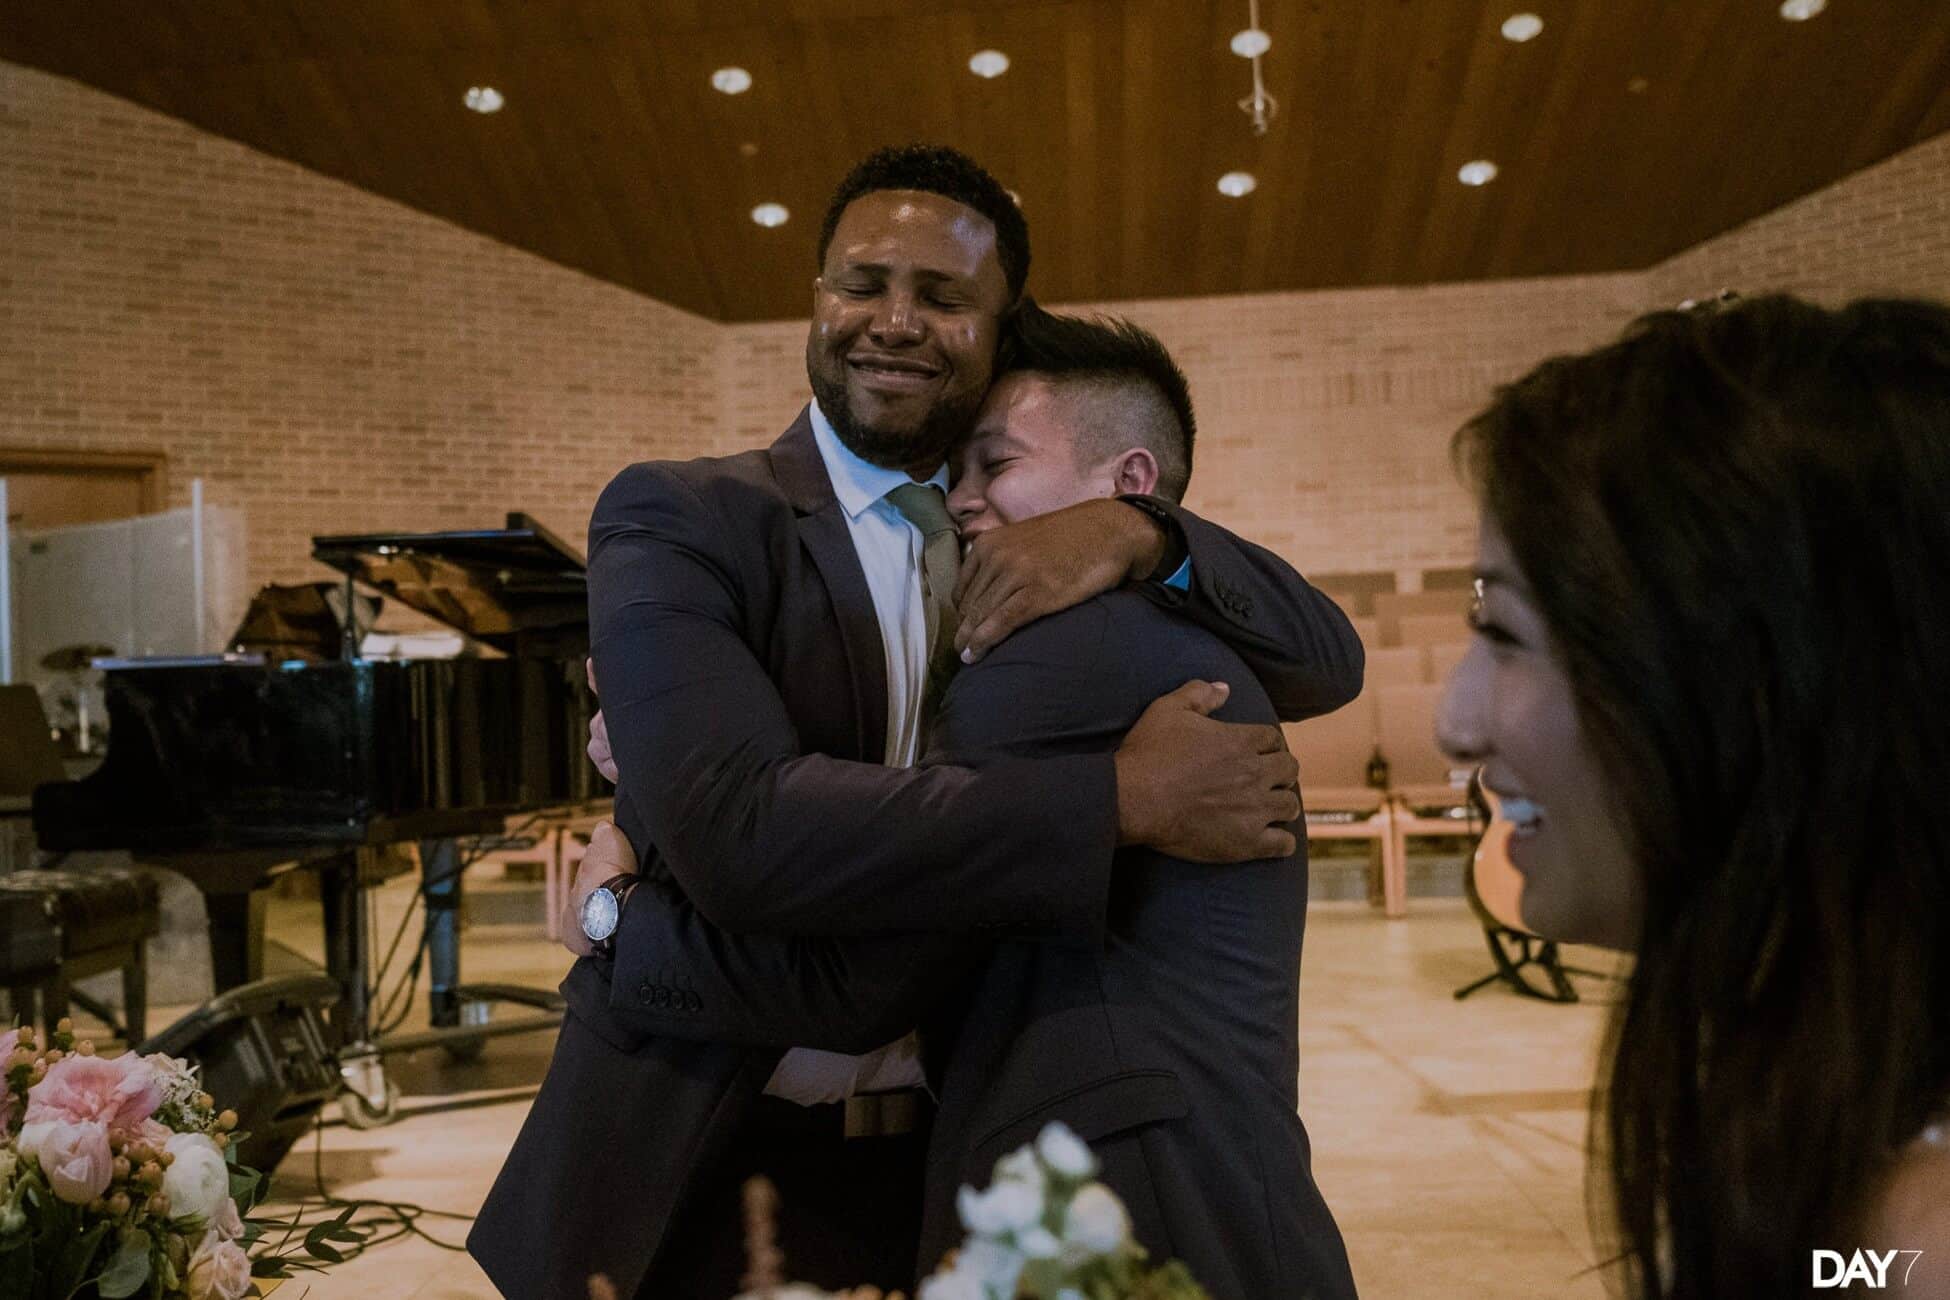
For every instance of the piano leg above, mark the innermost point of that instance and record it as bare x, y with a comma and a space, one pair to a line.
236, 937
346, 943
370, 1098
440, 885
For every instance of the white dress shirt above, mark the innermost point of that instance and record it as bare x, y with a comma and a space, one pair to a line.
889, 548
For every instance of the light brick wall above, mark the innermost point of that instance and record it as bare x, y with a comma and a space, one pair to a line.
1324, 418
330, 360
1884, 230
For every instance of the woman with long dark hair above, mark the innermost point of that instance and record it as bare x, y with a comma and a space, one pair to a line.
1711, 686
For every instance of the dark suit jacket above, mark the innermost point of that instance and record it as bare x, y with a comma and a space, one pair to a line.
744, 683
1169, 1042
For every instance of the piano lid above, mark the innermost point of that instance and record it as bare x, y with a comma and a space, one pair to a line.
303, 621
495, 585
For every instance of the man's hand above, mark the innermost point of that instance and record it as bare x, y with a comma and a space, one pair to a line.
1014, 575
599, 733
1202, 790
609, 854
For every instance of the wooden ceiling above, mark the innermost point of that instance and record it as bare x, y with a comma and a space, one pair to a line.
1624, 133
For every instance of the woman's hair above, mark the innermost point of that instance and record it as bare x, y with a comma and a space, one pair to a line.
1736, 522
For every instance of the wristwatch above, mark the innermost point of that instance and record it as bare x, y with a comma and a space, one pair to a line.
602, 910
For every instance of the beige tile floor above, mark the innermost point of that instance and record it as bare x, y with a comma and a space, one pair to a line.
1448, 1137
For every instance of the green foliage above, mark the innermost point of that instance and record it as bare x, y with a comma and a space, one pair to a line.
318, 1245
128, 1269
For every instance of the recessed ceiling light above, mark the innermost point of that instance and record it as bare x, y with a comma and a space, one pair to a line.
1800, 11
483, 99
1480, 172
770, 214
732, 81
1251, 43
1638, 85
989, 63
1237, 185
1522, 27
1015, 198
749, 149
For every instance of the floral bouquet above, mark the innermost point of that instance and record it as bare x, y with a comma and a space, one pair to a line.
117, 1177
1047, 1230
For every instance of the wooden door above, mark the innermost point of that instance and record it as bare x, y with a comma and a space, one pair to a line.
48, 489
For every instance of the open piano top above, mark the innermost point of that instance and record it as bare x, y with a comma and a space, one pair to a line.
289, 747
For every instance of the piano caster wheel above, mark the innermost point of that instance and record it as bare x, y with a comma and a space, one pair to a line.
359, 1113
468, 1050
369, 1099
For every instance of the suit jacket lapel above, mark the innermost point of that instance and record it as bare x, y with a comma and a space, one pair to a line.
823, 529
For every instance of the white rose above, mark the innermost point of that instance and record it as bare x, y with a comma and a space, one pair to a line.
198, 1181
994, 1265
975, 1213
1019, 1204
952, 1286
1096, 1222
1065, 1152
219, 1270
1019, 1166
1038, 1243
1009, 1206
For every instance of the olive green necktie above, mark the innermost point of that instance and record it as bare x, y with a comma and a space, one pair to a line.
923, 506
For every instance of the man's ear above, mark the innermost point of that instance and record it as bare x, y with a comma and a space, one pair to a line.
1136, 473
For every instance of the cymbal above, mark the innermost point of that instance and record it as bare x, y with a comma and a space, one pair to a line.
73, 658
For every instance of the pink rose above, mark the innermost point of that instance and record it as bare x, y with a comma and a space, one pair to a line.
219, 1270
74, 1156
118, 1094
226, 1222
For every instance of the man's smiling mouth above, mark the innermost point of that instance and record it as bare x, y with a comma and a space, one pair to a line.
892, 371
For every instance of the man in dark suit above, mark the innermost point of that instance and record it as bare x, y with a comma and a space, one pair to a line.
762, 633
1169, 1039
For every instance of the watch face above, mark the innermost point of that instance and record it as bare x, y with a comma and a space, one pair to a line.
599, 913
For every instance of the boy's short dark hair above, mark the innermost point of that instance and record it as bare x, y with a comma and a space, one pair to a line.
1118, 357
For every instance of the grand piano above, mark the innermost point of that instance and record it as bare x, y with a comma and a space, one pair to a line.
290, 748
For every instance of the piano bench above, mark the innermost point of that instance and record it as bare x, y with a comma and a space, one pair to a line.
68, 925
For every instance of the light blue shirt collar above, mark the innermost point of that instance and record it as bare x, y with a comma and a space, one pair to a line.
858, 484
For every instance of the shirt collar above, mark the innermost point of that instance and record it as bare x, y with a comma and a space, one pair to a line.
858, 484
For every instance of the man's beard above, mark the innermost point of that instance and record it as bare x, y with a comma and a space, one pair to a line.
942, 430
